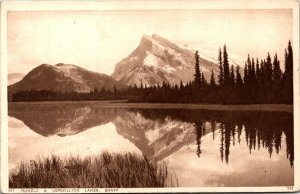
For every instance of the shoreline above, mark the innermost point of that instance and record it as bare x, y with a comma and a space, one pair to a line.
123, 104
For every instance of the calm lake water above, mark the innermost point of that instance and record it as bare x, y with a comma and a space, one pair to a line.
201, 147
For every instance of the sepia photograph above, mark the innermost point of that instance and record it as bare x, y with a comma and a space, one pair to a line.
149, 96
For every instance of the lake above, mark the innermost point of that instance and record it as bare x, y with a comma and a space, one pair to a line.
200, 147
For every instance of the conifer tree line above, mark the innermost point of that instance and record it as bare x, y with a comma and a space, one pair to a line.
263, 82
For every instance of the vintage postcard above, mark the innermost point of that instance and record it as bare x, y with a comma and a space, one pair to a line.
149, 96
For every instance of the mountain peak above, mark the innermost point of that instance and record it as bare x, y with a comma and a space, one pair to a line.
146, 40
159, 41
63, 65
60, 64
45, 65
145, 36
155, 38
42, 67
157, 60
158, 37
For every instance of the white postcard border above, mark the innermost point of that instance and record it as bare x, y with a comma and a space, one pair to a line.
146, 5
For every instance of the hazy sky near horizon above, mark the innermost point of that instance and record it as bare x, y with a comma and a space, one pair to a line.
97, 40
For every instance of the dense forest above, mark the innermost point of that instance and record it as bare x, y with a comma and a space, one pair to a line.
263, 82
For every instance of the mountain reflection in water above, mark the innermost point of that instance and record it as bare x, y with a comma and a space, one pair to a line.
161, 133
262, 129
172, 128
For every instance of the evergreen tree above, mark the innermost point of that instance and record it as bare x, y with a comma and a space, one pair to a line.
253, 75
249, 68
248, 60
197, 75
176, 87
261, 70
286, 68
95, 90
276, 69
288, 75
246, 75
232, 78
238, 80
141, 86
268, 68
181, 85
203, 80
289, 64
212, 79
226, 67
257, 71
221, 75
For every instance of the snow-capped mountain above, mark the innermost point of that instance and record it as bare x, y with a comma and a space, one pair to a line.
156, 138
156, 60
64, 78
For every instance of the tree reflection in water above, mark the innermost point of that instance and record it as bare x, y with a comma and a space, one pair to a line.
261, 129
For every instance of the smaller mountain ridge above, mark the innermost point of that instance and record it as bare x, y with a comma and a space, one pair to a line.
64, 78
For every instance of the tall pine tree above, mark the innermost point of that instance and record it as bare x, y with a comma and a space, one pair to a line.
257, 71
289, 63
238, 79
221, 74
212, 79
276, 69
226, 67
268, 68
232, 78
246, 75
262, 71
288, 74
203, 80
197, 75
253, 75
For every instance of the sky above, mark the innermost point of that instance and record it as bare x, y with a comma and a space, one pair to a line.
97, 40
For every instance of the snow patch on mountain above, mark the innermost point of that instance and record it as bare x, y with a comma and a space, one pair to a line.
150, 60
160, 130
71, 71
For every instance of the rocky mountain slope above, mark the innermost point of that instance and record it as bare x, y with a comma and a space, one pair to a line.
156, 60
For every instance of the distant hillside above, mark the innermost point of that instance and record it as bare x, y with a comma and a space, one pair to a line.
63, 78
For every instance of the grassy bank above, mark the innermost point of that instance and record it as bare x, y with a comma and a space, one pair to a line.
106, 170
